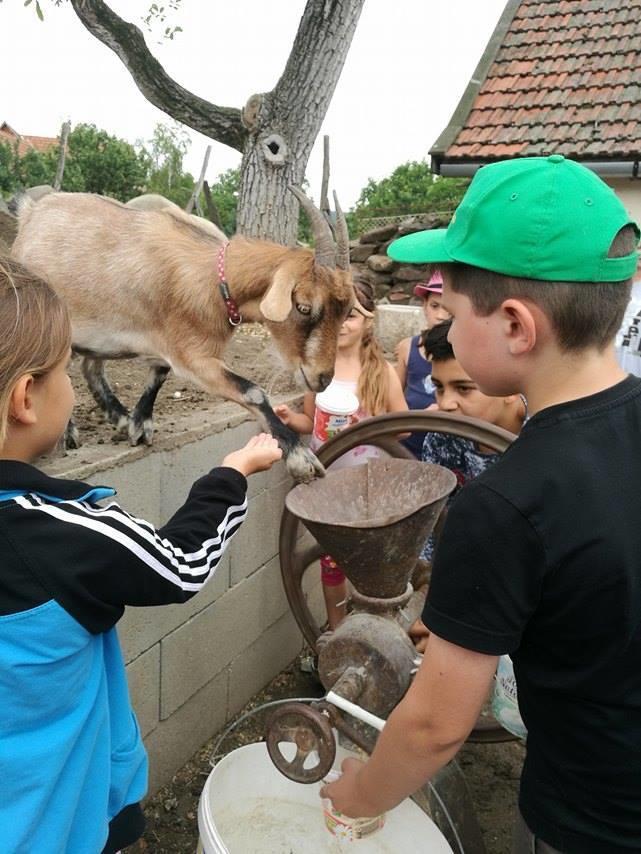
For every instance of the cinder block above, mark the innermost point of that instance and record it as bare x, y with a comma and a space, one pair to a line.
264, 480
265, 658
175, 740
185, 464
141, 628
261, 598
137, 484
231, 624
143, 676
199, 649
257, 540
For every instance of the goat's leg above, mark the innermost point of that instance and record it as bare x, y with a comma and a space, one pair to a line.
212, 375
94, 373
72, 436
141, 425
301, 463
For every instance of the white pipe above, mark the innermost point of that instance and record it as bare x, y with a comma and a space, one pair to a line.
354, 710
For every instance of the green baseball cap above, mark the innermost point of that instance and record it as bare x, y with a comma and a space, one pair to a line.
544, 218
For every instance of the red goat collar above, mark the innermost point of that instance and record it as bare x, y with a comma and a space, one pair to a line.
233, 314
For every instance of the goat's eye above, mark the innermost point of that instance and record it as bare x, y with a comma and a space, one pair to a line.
303, 308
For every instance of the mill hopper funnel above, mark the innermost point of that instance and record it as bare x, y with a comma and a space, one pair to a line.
374, 519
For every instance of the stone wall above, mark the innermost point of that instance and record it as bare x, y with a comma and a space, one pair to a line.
392, 282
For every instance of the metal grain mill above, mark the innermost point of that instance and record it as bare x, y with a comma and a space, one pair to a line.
373, 519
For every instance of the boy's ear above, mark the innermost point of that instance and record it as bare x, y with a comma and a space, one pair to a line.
521, 323
21, 404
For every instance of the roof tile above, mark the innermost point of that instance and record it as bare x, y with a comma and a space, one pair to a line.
566, 78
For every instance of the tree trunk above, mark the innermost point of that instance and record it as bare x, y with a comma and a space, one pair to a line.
276, 130
283, 124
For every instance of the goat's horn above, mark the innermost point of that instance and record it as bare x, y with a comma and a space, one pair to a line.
325, 252
342, 237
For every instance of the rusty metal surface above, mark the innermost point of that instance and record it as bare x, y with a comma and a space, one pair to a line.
298, 552
380, 649
311, 732
376, 605
374, 518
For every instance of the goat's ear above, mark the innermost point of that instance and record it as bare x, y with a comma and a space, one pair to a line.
277, 302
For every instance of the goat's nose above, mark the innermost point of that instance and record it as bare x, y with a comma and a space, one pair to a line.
324, 380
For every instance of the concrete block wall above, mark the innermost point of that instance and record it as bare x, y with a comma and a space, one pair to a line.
191, 667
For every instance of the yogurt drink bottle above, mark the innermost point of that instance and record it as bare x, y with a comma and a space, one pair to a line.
334, 408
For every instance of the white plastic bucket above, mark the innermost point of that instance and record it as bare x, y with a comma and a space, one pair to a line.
248, 807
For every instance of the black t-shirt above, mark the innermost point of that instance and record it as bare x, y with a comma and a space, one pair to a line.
540, 557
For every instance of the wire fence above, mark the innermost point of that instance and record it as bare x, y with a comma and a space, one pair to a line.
368, 223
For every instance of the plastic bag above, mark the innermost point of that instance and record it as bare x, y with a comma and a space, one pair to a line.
505, 702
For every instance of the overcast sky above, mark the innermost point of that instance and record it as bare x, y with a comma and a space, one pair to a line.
408, 65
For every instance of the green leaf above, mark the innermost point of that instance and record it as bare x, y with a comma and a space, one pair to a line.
39, 11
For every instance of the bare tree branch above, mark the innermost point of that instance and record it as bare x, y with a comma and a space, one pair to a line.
128, 43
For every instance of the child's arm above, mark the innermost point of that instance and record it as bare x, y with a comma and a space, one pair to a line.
112, 559
395, 398
422, 733
402, 355
300, 422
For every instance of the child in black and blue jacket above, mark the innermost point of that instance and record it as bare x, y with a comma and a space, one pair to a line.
72, 762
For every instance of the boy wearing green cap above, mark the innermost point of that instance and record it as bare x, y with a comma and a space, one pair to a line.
537, 264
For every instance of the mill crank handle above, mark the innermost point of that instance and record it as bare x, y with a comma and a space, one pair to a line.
354, 710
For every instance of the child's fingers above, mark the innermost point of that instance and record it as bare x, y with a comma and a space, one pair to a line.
258, 439
265, 439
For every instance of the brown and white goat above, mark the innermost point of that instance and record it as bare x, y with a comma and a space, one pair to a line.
146, 283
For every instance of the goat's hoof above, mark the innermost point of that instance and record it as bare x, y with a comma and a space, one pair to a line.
72, 438
121, 423
148, 432
303, 465
135, 433
140, 432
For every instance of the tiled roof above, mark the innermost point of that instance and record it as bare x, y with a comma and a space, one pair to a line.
26, 143
560, 76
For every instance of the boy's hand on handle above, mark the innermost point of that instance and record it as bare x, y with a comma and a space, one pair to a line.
345, 794
259, 454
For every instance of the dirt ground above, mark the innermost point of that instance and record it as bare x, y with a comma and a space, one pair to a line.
492, 771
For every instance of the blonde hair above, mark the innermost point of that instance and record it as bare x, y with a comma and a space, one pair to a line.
373, 379
35, 331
